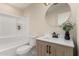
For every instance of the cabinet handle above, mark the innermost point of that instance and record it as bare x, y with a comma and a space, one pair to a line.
49, 49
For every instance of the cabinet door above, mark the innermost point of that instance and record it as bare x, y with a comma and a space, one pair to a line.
41, 48
38, 46
50, 49
55, 49
68, 51
46, 49
60, 50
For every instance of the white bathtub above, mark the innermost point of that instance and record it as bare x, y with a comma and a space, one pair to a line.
9, 45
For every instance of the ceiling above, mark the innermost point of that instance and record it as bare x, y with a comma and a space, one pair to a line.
20, 5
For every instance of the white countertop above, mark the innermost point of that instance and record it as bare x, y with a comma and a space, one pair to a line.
60, 41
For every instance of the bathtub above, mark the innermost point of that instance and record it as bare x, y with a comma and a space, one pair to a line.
8, 45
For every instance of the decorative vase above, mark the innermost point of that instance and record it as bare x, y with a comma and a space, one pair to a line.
67, 35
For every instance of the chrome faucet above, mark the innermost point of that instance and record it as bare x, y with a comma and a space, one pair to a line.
54, 35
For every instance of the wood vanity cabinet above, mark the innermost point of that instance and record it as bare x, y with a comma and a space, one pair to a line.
52, 49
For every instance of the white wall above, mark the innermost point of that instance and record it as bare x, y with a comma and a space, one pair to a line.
77, 22
10, 9
35, 13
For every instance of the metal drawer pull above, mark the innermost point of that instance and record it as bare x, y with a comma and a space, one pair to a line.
47, 49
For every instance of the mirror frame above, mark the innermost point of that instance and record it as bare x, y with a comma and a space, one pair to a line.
51, 6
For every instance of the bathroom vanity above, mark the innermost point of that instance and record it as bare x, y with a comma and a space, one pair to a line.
48, 46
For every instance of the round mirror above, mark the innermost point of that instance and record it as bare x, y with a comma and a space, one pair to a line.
57, 14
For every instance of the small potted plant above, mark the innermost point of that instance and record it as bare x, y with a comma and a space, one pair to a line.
67, 26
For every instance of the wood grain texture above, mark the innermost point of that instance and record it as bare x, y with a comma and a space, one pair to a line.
53, 49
